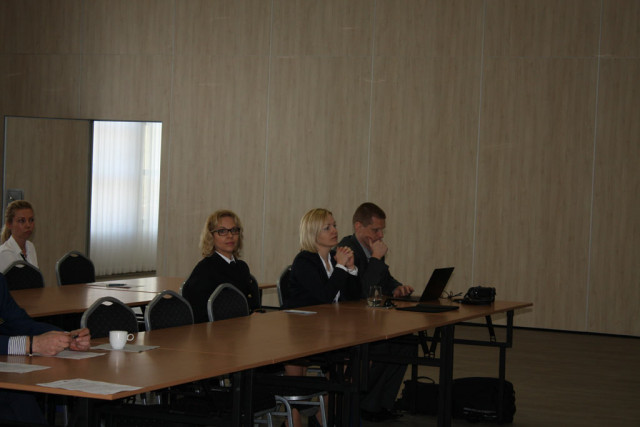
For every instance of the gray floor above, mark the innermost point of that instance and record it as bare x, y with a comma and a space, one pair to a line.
560, 379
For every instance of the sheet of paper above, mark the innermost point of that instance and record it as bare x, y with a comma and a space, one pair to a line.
134, 348
20, 368
303, 312
88, 386
69, 354
113, 285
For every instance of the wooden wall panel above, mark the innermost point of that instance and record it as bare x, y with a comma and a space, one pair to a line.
534, 185
423, 164
221, 27
542, 28
40, 85
41, 27
614, 294
55, 152
217, 153
317, 152
128, 27
126, 87
620, 28
330, 27
429, 28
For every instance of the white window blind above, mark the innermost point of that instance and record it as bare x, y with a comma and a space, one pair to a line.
125, 196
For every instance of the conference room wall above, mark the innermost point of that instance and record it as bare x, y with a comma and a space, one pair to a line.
499, 136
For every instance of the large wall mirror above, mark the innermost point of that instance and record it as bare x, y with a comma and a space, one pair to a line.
94, 186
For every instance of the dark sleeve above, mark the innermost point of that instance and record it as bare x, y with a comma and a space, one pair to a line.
352, 289
16, 321
197, 289
309, 283
373, 272
250, 288
377, 272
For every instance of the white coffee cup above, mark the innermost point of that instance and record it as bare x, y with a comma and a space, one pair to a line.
118, 339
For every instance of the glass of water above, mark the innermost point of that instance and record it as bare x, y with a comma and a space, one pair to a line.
375, 296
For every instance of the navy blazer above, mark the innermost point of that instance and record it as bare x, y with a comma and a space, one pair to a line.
372, 272
14, 321
309, 284
210, 272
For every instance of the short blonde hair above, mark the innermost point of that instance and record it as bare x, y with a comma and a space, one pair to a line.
206, 237
9, 214
310, 225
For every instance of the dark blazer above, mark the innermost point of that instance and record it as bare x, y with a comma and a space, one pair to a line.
208, 274
14, 321
372, 272
309, 284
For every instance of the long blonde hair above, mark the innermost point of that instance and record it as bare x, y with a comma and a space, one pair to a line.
9, 214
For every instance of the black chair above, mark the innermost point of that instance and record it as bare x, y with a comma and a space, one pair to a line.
107, 314
23, 275
283, 285
227, 302
166, 310
313, 396
73, 268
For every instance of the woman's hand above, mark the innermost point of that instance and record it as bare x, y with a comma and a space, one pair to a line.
344, 256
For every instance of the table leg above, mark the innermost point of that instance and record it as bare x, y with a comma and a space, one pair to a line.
243, 398
446, 376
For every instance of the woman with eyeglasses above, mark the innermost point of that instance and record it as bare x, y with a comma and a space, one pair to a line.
19, 225
221, 242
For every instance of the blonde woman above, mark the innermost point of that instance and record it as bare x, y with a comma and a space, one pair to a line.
221, 242
19, 225
320, 274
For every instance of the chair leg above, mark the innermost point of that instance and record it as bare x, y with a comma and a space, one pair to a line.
322, 411
287, 410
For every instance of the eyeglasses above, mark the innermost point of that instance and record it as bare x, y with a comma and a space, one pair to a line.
224, 231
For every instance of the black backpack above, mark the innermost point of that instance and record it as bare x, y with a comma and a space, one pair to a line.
476, 399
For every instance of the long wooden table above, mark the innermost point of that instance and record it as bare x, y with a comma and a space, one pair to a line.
207, 350
74, 299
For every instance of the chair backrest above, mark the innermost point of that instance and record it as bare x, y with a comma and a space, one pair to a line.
254, 283
23, 275
283, 285
227, 302
109, 314
73, 268
167, 309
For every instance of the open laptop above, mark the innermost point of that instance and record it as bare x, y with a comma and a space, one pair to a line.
428, 301
434, 288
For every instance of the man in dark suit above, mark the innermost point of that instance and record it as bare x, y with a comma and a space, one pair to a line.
21, 335
369, 251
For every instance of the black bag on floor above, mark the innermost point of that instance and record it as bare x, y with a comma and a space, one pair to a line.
476, 399
423, 393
